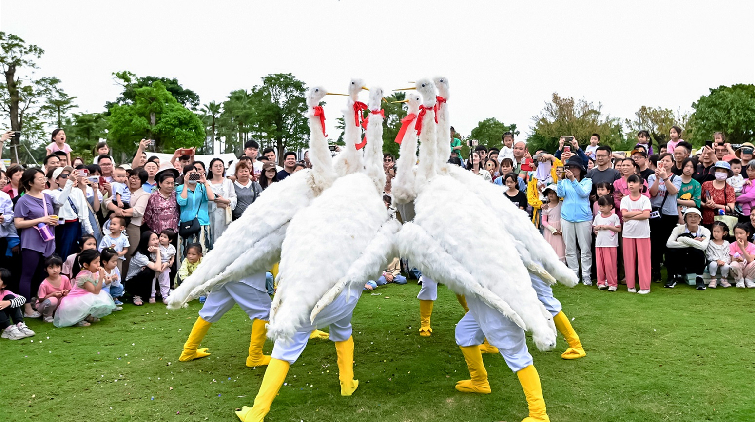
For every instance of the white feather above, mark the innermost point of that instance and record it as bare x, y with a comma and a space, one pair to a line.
443, 149
403, 186
349, 161
373, 151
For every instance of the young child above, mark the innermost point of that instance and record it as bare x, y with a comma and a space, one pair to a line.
508, 148
607, 227
551, 219
59, 144
121, 193
594, 141
52, 289
167, 256
717, 254
742, 254
71, 266
86, 302
112, 281
737, 181
10, 310
603, 189
191, 262
116, 239
635, 209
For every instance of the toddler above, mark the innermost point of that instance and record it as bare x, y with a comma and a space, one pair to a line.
594, 141
52, 289
59, 144
717, 254
191, 262
71, 266
10, 310
603, 189
167, 256
607, 227
121, 193
742, 254
86, 302
112, 281
508, 148
737, 181
116, 239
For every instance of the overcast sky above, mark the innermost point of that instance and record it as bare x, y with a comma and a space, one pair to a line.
503, 59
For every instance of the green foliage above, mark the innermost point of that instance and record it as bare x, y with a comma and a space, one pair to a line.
489, 132
155, 114
210, 114
394, 112
235, 121
658, 122
131, 83
727, 109
565, 116
57, 105
83, 131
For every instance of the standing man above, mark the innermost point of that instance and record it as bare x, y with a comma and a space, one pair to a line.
603, 172
681, 152
704, 170
50, 162
251, 149
289, 164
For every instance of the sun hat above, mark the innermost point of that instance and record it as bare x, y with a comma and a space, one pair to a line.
639, 150
723, 165
743, 146
553, 187
575, 161
166, 166
58, 171
692, 210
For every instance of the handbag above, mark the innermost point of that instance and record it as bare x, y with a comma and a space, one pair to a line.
657, 212
189, 228
45, 232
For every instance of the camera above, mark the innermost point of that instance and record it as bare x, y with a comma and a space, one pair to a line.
151, 142
472, 142
194, 176
17, 136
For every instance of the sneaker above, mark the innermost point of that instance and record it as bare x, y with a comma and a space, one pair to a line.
152, 300
12, 333
671, 283
644, 292
602, 286
587, 282
712, 284
749, 284
741, 284
725, 283
118, 308
48, 319
83, 324
612, 289
117, 302
34, 314
699, 283
25, 330
632, 290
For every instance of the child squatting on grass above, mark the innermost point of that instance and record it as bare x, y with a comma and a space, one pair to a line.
87, 302
53, 288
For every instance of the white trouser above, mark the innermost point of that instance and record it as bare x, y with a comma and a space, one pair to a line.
249, 293
429, 290
545, 294
484, 322
336, 316
713, 267
578, 233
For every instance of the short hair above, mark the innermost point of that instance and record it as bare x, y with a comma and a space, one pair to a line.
287, 153
94, 168
16, 168
47, 158
507, 161
457, 161
170, 233
28, 178
509, 176
387, 198
61, 154
5, 275
53, 261
122, 220
140, 173
663, 145
184, 157
734, 161
664, 155
88, 256
688, 160
298, 164
242, 164
654, 159
196, 246
479, 148
119, 168
606, 200
605, 148
595, 135
251, 144
100, 157
268, 149
505, 134
189, 167
496, 150
686, 145
389, 155
721, 134
153, 159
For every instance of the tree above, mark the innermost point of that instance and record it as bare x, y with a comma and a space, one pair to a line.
131, 83
210, 114
235, 122
155, 114
730, 110
58, 104
564, 116
83, 131
489, 132
658, 122
19, 96
394, 112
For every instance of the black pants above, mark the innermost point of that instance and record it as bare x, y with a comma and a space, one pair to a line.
685, 260
660, 231
141, 284
32, 273
10, 314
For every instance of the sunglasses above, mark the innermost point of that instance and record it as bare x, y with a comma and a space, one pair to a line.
64, 176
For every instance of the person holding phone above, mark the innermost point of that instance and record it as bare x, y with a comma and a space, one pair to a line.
576, 216
193, 199
570, 144
704, 169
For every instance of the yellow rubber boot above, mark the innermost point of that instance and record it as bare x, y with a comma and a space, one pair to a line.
345, 352
479, 376
486, 347
533, 391
198, 332
463, 302
318, 335
259, 333
575, 350
425, 311
274, 376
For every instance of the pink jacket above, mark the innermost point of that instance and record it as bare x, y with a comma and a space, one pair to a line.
747, 199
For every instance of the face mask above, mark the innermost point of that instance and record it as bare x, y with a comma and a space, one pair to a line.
721, 176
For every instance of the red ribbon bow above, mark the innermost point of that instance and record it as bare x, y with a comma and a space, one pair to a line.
420, 116
439, 100
405, 122
358, 107
364, 125
319, 112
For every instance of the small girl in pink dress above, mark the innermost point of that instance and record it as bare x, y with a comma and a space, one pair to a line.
86, 302
551, 220
59, 144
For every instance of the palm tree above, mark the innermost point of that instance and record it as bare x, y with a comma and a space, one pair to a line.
210, 113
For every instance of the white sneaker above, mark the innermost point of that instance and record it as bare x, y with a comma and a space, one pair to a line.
12, 333
632, 290
741, 284
587, 282
644, 292
25, 330
34, 314
749, 284
48, 319
612, 288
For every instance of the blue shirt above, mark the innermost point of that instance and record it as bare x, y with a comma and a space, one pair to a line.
576, 205
194, 205
147, 187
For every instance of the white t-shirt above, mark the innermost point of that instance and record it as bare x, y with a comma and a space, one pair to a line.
606, 238
636, 229
506, 152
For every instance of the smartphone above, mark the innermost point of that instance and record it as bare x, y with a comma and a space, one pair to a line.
83, 172
195, 176
709, 144
93, 179
151, 142
185, 151
707, 196
568, 138
527, 165
567, 148
102, 180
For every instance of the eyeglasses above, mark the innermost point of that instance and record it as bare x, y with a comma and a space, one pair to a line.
387, 160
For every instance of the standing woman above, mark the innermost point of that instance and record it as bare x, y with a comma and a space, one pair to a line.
664, 188
141, 269
225, 199
475, 165
576, 216
193, 198
246, 190
33, 217
717, 196
161, 211
269, 175
138, 203
14, 180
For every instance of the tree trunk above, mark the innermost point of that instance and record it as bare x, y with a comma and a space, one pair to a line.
15, 123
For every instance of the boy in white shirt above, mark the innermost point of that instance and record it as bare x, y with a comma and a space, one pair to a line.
737, 181
121, 194
116, 240
508, 147
594, 141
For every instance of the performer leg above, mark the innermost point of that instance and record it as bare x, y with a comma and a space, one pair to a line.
345, 352
427, 295
218, 303
259, 333
190, 351
575, 350
271, 383
478, 382
533, 391
463, 302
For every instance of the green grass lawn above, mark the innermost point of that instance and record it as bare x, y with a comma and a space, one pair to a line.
672, 355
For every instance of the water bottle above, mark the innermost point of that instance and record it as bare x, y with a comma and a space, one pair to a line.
45, 232
721, 212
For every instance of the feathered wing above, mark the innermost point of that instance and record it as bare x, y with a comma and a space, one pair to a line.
270, 212
443, 150
517, 224
368, 266
322, 242
496, 266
